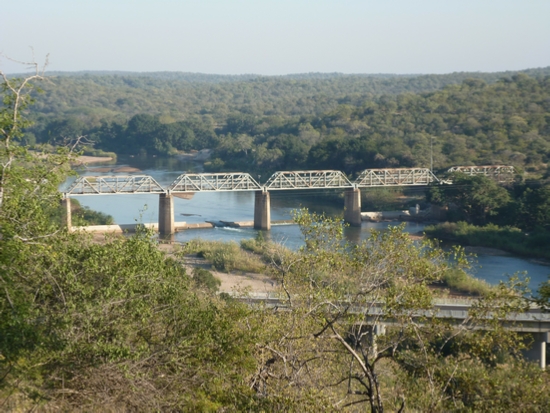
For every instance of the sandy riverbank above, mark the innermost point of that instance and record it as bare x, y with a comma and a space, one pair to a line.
85, 160
122, 169
230, 282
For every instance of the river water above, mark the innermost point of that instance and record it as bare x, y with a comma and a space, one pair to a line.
239, 206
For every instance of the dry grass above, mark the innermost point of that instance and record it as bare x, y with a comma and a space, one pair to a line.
225, 256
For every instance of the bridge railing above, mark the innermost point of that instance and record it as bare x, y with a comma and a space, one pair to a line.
457, 312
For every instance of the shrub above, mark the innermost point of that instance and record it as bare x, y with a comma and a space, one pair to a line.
225, 256
507, 238
204, 279
462, 282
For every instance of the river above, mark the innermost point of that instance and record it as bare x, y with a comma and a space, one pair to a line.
239, 206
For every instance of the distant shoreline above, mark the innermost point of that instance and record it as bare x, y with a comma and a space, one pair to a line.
84, 159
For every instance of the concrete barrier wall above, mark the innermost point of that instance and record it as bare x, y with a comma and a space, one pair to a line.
130, 228
179, 226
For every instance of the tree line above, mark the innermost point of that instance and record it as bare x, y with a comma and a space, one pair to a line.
91, 96
474, 122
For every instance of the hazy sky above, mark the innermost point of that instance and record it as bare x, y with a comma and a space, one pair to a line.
274, 37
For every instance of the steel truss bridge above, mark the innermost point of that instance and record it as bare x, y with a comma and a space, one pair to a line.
187, 184
501, 173
116, 184
284, 180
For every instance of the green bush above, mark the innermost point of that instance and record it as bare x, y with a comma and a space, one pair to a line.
82, 216
270, 252
507, 238
204, 279
462, 282
225, 256
99, 152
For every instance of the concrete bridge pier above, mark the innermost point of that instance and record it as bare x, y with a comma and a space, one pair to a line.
370, 335
262, 211
352, 207
66, 218
166, 214
537, 352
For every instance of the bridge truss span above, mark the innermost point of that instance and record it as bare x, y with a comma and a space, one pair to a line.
115, 184
307, 180
229, 181
501, 173
395, 177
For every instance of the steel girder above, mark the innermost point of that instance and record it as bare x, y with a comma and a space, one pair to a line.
116, 184
307, 180
395, 177
230, 181
502, 173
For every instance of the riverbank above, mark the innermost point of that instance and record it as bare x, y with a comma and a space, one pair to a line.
456, 283
86, 160
198, 156
492, 237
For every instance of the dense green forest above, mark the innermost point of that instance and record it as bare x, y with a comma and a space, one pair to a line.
471, 123
94, 95
346, 122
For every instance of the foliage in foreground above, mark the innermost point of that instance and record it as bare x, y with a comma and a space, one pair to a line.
120, 326
359, 325
113, 326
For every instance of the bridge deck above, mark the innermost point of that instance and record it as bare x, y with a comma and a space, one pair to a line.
534, 321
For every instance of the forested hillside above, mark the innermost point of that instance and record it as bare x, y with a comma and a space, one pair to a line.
94, 95
339, 122
472, 123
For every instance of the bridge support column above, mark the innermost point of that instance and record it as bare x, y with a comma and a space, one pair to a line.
66, 219
352, 207
542, 351
262, 210
166, 214
370, 339
537, 352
